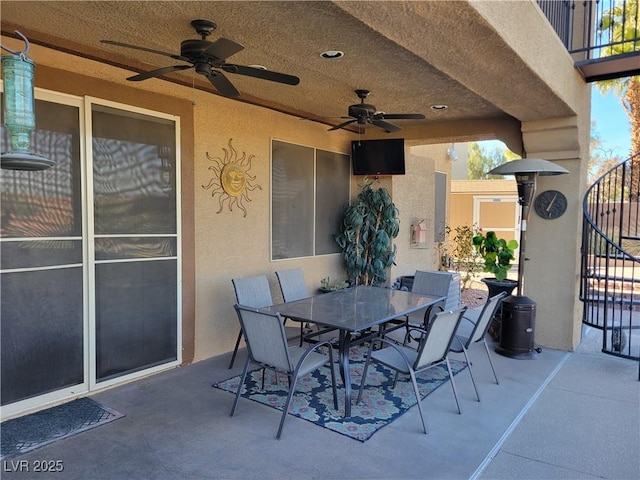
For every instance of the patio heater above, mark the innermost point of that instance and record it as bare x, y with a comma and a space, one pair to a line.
19, 111
518, 311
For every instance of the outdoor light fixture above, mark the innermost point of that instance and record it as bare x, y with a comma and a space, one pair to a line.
518, 311
19, 111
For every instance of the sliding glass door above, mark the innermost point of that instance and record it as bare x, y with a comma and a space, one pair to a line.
43, 310
135, 241
90, 264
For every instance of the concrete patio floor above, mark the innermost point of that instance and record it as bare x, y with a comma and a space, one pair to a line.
563, 415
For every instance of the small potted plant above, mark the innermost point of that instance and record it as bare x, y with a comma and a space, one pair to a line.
496, 253
327, 286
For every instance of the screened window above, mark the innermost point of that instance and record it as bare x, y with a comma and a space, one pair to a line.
309, 192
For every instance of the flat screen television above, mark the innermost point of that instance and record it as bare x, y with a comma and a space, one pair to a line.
378, 157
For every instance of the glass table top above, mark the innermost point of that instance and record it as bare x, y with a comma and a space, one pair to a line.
355, 309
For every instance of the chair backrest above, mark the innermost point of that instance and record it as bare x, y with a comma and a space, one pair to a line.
437, 341
484, 320
265, 337
444, 284
292, 284
253, 291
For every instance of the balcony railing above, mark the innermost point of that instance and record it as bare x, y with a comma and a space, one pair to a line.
584, 26
610, 253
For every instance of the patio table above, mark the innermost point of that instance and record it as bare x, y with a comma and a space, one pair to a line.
352, 311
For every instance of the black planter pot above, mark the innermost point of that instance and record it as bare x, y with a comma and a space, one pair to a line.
496, 287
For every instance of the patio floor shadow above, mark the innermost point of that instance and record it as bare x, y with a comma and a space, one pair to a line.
544, 420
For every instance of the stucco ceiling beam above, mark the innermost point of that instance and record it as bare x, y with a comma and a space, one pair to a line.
509, 55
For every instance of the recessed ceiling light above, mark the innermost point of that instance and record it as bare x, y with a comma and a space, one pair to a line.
331, 54
260, 67
439, 107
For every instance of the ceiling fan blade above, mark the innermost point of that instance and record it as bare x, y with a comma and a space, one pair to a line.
223, 48
222, 84
343, 124
260, 73
401, 116
158, 72
144, 49
388, 127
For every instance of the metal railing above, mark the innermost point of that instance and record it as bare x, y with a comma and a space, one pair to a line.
610, 258
584, 26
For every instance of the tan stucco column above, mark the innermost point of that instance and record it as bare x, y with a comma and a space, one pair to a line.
552, 273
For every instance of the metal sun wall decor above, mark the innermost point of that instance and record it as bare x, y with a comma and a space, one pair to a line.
231, 180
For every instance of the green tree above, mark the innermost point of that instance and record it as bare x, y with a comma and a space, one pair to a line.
617, 24
480, 161
601, 159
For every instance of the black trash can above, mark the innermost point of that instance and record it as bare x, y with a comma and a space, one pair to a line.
518, 328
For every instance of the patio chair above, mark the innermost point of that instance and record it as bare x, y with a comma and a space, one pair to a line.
267, 347
473, 330
293, 287
433, 350
442, 284
254, 292
292, 284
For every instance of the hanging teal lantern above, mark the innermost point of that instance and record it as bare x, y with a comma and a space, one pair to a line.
19, 111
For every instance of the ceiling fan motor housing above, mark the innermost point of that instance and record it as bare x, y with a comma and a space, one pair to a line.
193, 49
361, 109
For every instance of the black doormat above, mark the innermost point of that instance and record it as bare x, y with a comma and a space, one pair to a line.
24, 434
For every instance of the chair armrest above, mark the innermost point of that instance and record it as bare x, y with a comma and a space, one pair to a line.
431, 311
418, 338
310, 350
398, 349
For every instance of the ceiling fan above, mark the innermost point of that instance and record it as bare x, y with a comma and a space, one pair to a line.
208, 59
364, 113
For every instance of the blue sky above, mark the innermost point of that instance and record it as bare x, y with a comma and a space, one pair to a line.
611, 123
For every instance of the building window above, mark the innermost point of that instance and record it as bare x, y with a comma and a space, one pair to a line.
309, 192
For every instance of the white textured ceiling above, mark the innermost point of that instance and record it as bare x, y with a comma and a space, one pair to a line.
411, 55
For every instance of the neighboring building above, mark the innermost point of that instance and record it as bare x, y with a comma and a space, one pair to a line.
487, 205
482, 204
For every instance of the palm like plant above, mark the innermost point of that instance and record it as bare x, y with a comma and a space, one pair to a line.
368, 226
623, 35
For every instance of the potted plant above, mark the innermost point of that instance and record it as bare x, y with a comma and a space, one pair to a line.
459, 253
497, 255
369, 224
327, 286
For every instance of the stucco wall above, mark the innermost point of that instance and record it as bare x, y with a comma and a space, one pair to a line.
414, 195
220, 246
227, 243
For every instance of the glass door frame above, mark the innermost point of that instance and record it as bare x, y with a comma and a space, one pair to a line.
94, 385
89, 384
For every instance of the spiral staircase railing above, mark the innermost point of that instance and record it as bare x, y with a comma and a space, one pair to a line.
610, 258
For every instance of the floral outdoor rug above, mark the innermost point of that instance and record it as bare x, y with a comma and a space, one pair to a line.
313, 400
24, 434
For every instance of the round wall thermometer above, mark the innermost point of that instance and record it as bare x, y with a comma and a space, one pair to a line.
550, 204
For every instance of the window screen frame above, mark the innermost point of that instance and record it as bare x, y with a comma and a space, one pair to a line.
313, 182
